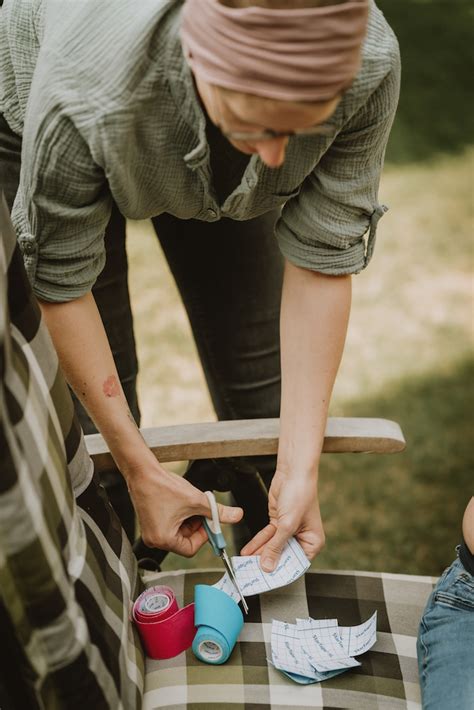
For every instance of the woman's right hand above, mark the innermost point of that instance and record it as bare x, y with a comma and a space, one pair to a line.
169, 509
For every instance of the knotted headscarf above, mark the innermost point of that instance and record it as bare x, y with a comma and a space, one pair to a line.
308, 54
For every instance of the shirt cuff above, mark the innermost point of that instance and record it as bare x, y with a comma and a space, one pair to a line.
325, 258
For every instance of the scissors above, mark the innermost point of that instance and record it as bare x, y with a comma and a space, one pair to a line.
217, 540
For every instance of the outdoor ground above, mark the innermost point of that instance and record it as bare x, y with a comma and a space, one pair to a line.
409, 350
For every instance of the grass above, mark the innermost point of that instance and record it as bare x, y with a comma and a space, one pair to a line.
435, 113
403, 513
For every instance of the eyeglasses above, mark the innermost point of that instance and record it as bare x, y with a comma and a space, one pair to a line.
323, 129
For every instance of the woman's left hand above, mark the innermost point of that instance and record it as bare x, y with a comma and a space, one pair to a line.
293, 509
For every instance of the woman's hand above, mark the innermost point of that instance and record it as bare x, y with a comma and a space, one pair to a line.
293, 509
169, 509
314, 314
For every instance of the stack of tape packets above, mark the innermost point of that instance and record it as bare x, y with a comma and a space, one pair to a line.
313, 650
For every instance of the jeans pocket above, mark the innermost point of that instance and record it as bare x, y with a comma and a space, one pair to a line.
459, 594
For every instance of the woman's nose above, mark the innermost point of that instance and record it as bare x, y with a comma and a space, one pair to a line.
272, 152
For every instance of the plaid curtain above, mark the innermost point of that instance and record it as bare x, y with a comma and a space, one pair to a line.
67, 571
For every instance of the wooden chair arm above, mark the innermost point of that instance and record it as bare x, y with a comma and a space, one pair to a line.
253, 437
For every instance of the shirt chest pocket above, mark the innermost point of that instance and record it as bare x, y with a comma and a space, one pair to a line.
278, 198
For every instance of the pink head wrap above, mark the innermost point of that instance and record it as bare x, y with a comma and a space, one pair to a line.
308, 54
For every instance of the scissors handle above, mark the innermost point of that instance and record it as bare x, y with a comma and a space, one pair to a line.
213, 527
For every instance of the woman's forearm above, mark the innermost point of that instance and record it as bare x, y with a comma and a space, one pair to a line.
164, 502
314, 317
86, 359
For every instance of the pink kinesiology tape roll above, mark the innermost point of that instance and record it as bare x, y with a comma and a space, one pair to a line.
165, 629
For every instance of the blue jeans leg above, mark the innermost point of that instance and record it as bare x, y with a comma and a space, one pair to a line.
446, 643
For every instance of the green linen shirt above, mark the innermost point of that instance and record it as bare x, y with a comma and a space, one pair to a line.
107, 108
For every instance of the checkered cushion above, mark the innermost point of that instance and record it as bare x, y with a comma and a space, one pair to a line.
67, 572
387, 679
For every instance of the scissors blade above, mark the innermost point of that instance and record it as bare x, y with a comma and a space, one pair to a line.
231, 573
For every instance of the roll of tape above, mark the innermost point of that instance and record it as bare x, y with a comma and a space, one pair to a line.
165, 629
219, 622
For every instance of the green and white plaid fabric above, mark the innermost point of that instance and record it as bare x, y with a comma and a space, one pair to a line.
386, 680
67, 572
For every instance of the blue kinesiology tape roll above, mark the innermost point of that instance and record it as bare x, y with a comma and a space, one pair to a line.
219, 622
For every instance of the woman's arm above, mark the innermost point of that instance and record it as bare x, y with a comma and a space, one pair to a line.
322, 231
163, 501
314, 317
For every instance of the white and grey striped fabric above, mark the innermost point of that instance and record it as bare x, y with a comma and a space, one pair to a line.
67, 571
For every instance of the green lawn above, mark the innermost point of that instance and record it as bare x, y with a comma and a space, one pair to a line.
435, 113
409, 349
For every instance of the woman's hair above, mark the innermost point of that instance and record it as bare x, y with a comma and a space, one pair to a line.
280, 4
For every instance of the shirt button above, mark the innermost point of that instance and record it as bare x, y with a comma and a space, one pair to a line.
28, 247
211, 213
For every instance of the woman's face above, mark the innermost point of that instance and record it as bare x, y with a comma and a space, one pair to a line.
235, 112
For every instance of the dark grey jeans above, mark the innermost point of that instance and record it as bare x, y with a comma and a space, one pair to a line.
229, 275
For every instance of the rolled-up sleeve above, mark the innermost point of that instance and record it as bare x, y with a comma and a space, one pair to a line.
61, 210
324, 227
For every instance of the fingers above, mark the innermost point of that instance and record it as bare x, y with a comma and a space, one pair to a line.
260, 539
270, 554
192, 535
180, 529
310, 549
229, 513
187, 546
191, 525
311, 542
